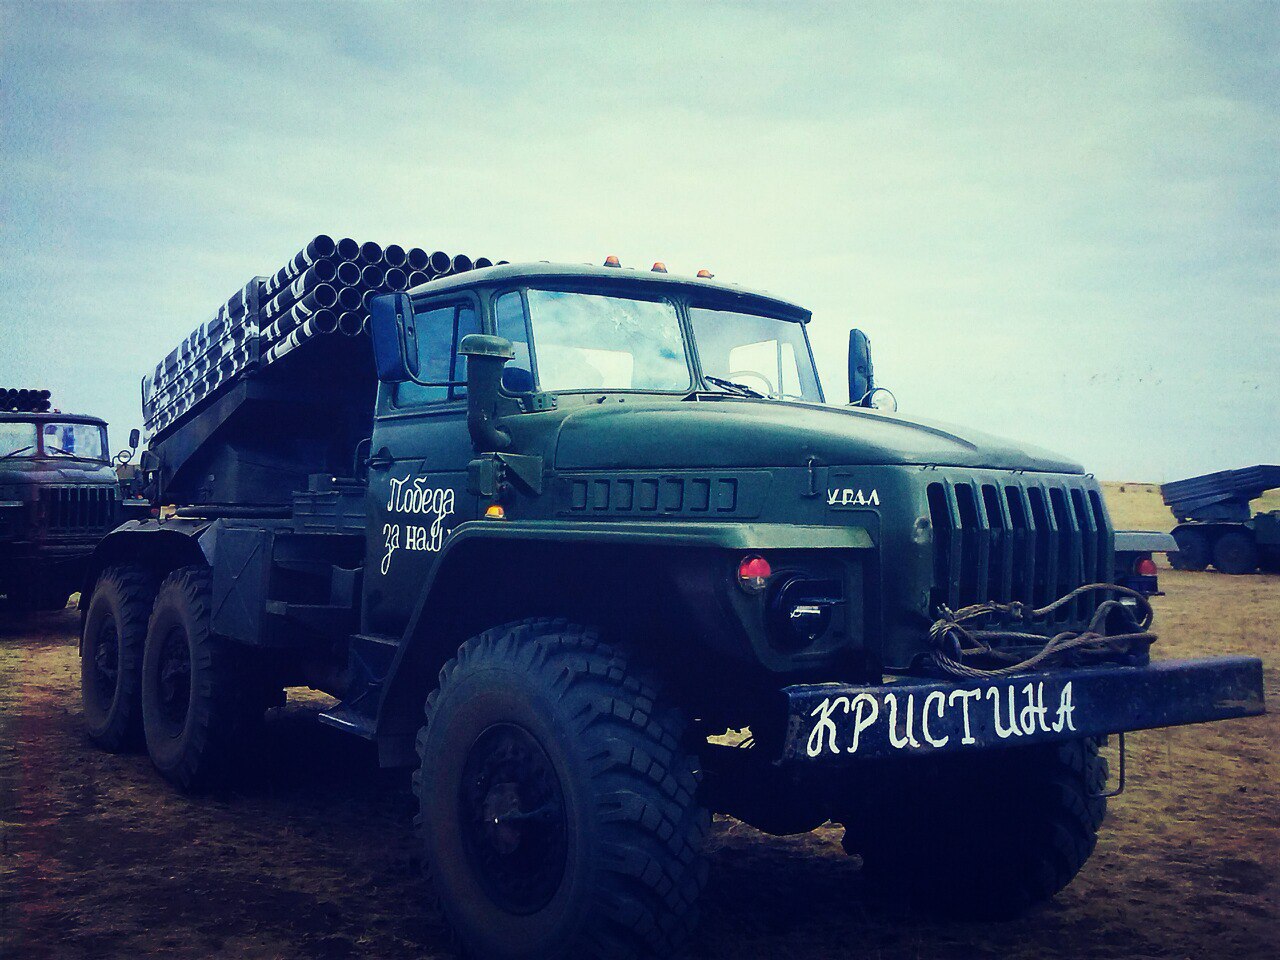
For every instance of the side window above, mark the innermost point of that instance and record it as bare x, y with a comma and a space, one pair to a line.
772, 366
517, 375
440, 330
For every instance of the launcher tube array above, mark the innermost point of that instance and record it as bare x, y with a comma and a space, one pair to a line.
323, 290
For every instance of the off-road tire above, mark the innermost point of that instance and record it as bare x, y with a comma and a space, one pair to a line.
1193, 550
1235, 552
112, 639
193, 751
633, 827
986, 835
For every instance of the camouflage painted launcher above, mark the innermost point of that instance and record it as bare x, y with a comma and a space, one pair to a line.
323, 290
24, 401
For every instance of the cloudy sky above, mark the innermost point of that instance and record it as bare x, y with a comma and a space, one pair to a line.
1061, 225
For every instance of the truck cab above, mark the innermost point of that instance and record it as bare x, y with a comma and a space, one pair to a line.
551, 530
58, 497
641, 404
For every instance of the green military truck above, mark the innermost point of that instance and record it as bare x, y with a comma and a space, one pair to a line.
58, 496
1215, 525
552, 530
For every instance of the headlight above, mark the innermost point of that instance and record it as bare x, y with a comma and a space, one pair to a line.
800, 610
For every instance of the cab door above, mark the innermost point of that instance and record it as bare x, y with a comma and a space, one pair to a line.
418, 459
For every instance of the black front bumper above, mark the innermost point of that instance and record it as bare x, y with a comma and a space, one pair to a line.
832, 722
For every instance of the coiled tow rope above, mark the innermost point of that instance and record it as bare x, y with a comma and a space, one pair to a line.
956, 641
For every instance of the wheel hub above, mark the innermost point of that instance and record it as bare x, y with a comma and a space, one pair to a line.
511, 811
175, 679
106, 662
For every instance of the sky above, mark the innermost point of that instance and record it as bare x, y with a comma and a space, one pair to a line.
1057, 223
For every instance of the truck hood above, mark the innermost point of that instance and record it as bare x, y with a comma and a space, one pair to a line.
640, 433
17, 471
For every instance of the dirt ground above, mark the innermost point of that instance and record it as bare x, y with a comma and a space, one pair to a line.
309, 856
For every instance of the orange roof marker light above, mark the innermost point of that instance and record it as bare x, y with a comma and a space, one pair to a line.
705, 274
495, 512
612, 261
659, 267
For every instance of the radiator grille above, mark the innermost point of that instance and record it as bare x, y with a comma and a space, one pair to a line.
1028, 540
78, 510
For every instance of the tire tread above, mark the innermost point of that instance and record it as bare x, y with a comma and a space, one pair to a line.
647, 787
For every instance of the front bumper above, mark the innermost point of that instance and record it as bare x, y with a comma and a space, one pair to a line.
832, 722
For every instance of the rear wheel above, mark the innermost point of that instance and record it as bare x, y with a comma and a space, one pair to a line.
1192, 552
194, 703
1234, 552
557, 809
111, 645
984, 836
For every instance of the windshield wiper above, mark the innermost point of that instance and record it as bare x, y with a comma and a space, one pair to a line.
741, 388
68, 453
14, 453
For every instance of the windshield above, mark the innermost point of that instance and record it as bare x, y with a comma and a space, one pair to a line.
79, 440
769, 356
17, 439
589, 342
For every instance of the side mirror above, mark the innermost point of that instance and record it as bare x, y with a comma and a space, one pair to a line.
395, 342
486, 356
135, 437
861, 373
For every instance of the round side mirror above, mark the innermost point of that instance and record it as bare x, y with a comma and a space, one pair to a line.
882, 399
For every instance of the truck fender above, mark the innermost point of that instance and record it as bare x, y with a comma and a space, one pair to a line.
477, 550
161, 544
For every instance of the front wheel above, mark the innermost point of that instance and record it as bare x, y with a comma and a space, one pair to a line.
558, 811
983, 836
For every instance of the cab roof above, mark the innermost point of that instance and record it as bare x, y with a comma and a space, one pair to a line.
17, 416
722, 294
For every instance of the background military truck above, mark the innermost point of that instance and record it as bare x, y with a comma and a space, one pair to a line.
549, 531
1214, 521
58, 496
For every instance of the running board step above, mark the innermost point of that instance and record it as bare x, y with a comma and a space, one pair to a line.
349, 721
321, 618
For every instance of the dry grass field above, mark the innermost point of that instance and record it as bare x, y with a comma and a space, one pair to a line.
1137, 506
308, 856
